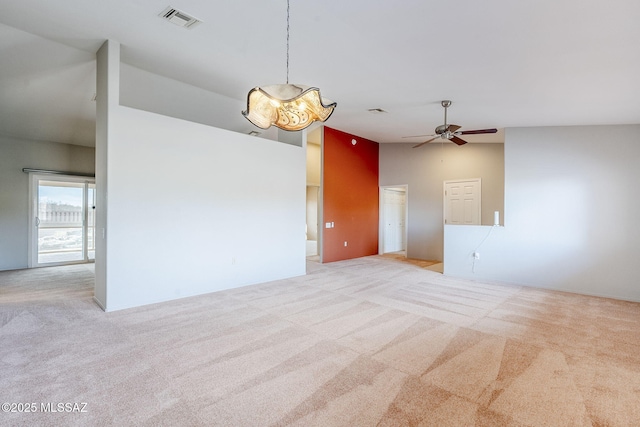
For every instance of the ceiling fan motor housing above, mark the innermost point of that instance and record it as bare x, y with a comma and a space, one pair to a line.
451, 132
441, 129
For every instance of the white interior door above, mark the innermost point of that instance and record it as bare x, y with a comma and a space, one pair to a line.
462, 202
394, 214
62, 220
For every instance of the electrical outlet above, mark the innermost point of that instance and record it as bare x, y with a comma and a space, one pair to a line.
476, 255
345, 244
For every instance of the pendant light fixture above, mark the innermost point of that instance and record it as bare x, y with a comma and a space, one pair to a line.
287, 106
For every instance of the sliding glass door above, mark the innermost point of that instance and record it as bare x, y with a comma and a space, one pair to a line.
63, 221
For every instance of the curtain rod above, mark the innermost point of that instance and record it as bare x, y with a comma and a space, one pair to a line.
28, 170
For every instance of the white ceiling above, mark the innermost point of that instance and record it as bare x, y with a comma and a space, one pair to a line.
504, 63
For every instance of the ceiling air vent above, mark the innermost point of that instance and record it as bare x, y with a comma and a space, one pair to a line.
179, 18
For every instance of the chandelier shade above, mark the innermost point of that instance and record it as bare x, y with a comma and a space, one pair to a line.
287, 106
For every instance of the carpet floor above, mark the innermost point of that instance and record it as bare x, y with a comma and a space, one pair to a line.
365, 342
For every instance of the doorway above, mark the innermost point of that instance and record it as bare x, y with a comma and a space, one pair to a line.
314, 194
393, 219
312, 220
62, 222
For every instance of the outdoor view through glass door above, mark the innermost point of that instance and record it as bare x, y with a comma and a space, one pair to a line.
64, 220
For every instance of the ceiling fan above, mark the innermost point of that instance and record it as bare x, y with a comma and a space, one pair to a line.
450, 132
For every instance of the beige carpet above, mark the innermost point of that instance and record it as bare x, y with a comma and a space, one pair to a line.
366, 342
400, 256
432, 265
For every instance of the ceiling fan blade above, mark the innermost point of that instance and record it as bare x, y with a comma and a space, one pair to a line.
453, 128
426, 142
477, 132
417, 136
457, 140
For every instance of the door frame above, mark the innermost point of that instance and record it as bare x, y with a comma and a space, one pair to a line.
34, 178
381, 218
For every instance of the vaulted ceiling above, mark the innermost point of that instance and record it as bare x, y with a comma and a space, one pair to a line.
503, 63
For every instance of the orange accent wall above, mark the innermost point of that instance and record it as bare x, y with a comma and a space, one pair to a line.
350, 196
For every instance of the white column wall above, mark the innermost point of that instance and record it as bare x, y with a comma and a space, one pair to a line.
196, 209
570, 214
107, 100
190, 208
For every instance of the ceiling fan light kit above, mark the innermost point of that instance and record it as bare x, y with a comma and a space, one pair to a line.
450, 132
287, 106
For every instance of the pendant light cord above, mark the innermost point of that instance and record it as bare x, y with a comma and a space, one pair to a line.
287, 41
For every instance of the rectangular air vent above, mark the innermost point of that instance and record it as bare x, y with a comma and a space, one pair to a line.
179, 18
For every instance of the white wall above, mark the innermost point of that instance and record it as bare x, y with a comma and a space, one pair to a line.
424, 169
16, 154
571, 218
196, 209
